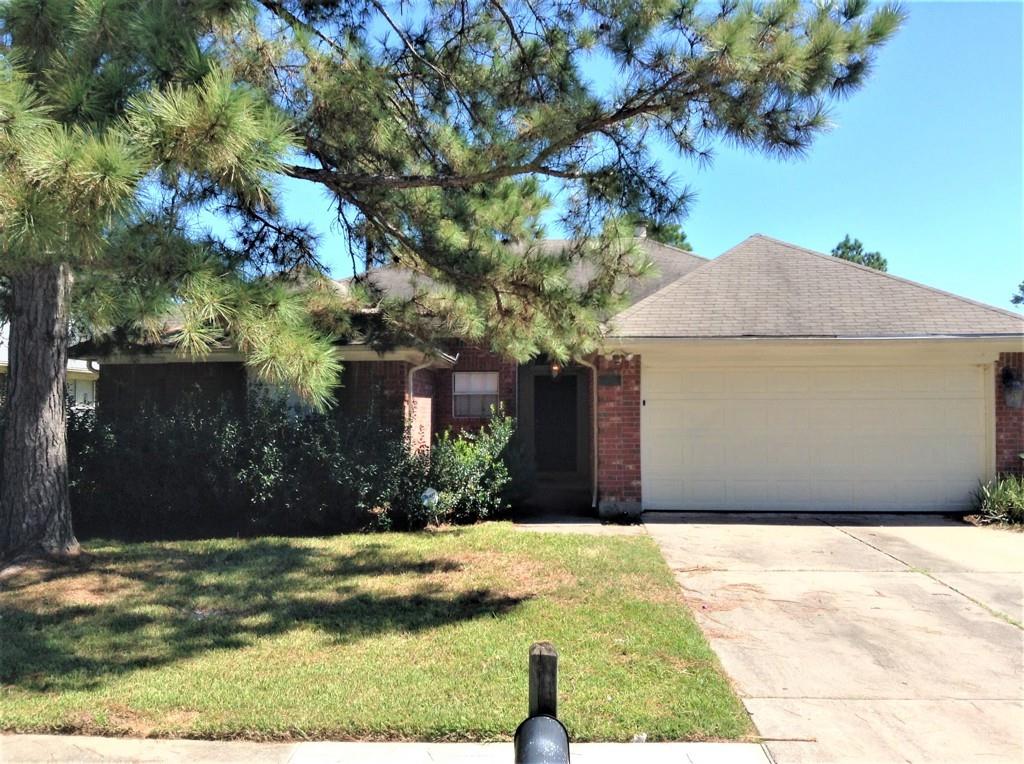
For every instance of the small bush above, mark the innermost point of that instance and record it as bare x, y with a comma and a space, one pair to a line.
470, 473
1001, 500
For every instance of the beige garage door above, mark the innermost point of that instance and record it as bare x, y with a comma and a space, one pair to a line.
807, 438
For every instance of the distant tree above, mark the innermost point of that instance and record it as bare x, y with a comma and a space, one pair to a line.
853, 250
671, 234
1018, 299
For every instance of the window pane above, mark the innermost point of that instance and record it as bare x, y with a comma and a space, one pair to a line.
479, 382
475, 405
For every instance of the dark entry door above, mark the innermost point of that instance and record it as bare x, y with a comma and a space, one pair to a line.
554, 423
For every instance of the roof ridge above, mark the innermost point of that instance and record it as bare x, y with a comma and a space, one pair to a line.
661, 293
680, 250
840, 261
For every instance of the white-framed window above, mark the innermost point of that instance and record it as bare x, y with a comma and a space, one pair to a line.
474, 392
82, 392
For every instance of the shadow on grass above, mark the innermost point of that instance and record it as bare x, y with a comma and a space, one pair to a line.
152, 606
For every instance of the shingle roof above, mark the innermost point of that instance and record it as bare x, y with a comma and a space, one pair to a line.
670, 264
768, 288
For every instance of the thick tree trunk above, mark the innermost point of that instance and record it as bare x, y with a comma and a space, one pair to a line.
35, 512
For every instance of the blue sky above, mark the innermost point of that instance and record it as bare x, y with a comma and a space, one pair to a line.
924, 164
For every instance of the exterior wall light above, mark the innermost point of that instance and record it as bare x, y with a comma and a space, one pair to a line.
1013, 388
556, 369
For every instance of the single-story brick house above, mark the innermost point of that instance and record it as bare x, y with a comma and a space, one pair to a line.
768, 378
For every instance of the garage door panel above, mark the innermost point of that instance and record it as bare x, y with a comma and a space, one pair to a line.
665, 449
961, 418
787, 382
914, 380
832, 493
871, 439
795, 494
964, 450
960, 494
792, 457
742, 492
751, 416
756, 381
710, 493
964, 381
704, 457
883, 494
662, 494
665, 383
700, 418
784, 416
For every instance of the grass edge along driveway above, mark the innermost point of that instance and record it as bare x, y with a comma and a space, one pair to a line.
394, 636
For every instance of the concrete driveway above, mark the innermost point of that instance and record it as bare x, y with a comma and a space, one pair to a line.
862, 638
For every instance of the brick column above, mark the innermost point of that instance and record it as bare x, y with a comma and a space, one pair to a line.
420, 410
1009, 422
618, 436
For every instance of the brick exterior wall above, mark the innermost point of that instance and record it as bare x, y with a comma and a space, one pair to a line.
123, 387
421, 409
618, 436
472, 359
1009, 422
376, 388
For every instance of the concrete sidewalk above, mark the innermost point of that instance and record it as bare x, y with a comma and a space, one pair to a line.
66, 748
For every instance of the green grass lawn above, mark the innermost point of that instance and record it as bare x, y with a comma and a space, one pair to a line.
399, 636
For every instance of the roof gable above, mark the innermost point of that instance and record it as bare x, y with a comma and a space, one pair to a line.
764, 287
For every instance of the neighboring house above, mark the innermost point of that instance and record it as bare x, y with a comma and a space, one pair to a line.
82, 375
769, 378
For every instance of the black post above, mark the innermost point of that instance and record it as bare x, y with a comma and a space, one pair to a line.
542, 739
543, 679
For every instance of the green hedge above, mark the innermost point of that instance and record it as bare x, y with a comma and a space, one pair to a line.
200, 470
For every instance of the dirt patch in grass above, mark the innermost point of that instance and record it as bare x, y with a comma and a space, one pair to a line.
115, 719
503, 573
44, 584
520, 576
96, 588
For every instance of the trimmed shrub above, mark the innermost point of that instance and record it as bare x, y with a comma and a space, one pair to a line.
1001, 500
201, 470
208, 470
467, 472
470, 473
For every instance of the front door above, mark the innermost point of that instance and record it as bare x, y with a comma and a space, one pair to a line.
554, 425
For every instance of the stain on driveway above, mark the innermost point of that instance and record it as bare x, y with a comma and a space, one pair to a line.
863, 638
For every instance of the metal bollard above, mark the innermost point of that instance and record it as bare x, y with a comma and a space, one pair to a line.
541, 738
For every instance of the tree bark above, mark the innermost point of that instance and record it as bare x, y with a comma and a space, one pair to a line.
35, 510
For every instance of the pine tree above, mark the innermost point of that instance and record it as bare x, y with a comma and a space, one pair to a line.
113, 125
853, 250
1018, 299
445, 132
671, 234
